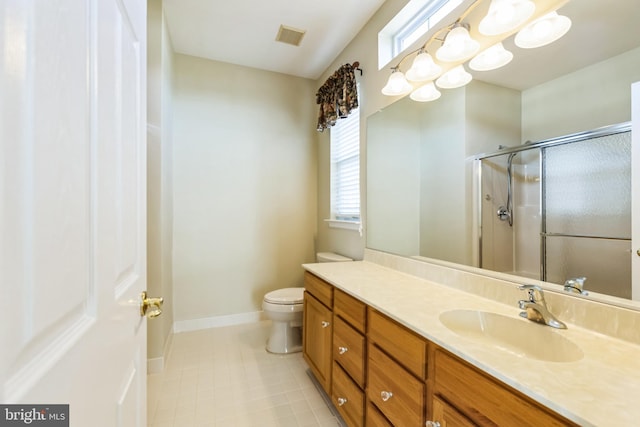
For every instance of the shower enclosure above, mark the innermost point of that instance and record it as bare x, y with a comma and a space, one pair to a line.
559, 209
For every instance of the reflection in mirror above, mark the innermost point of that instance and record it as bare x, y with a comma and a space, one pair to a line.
423, 190
560, 209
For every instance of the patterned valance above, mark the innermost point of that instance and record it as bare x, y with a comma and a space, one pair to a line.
337, 96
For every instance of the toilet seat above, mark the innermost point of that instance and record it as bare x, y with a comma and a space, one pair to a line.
285, 296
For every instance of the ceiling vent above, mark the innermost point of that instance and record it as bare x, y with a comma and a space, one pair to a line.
290, 35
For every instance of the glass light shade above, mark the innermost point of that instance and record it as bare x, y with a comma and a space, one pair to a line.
426, 93
489, 59
455, 77
505, 15
457, 46
423, 68
543, 31
397, 85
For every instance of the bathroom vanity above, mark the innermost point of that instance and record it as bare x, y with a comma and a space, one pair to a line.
374, 340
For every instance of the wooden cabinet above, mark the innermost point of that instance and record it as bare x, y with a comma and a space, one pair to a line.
349, 351
381, 374
445, 415
396, 371
347, 397
317, 332
375, 417
484, 400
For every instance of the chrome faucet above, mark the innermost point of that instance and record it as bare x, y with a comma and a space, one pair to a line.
575, 285
535, 308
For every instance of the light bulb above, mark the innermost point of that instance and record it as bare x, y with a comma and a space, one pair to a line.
494, 57
457, 46
423, 68
505, 15
455, 77
397, 84
543, 31
425, 93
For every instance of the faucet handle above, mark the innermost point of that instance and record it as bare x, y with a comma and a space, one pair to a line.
536, 294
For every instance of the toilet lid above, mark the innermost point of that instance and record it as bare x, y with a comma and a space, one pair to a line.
285, 296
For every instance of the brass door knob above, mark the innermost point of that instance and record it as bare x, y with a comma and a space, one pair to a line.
150, 307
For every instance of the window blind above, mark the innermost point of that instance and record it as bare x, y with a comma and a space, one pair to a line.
345, 168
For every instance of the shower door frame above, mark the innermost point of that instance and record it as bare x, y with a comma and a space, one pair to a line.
542, 146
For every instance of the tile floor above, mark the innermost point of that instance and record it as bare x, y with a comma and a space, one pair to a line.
224, 377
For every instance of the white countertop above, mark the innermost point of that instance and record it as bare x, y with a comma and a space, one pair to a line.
601, 389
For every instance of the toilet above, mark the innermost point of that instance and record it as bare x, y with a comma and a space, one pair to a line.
284, 308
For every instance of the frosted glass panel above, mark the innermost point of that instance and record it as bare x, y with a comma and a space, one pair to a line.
588, 187
605, 263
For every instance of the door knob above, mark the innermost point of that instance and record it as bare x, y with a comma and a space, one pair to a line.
150, 307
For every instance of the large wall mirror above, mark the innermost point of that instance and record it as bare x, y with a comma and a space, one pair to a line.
438, 173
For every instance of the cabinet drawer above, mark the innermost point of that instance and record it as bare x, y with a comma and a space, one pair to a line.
349, 349
347, 397
480, 397
403, 345
398, 394
375, 417
350, 309
320, 289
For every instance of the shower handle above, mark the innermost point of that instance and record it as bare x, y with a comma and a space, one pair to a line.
503, 213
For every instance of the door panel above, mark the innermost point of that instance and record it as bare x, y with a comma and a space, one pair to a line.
72, 207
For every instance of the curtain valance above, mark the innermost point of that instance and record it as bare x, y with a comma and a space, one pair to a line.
337, 96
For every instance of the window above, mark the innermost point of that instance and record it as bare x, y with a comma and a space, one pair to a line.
428, 17
411, 23
345, 170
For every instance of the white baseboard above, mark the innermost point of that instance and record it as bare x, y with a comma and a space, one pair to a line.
217, 321
156, 364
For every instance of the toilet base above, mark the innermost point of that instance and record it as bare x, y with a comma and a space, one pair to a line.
284, 338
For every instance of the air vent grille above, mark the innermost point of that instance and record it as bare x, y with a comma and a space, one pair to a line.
290, 35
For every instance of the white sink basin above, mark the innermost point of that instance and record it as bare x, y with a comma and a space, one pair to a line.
514, 335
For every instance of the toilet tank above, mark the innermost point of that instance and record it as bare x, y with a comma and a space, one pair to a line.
331, 257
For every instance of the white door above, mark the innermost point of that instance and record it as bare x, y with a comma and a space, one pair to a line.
73, 207
635, 191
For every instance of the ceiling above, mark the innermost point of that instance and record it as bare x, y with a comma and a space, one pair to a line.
243, 32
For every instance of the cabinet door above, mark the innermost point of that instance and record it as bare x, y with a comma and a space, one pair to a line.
394, 391
446, 415
316, 339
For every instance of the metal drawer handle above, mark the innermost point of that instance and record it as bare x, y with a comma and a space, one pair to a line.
342, 350
341, 401
432, 424
386, 395
325, 324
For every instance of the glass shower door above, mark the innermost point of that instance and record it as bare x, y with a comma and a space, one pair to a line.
586, 229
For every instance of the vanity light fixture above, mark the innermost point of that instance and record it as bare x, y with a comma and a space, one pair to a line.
423, 68
454, 78
397, 84
458, 45
543, 31
426, 93
492, 58
502, 20
505, 15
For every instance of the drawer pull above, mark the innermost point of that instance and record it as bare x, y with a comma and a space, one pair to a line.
341, 401
342, 350
432, 424
325, 324
386, 395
